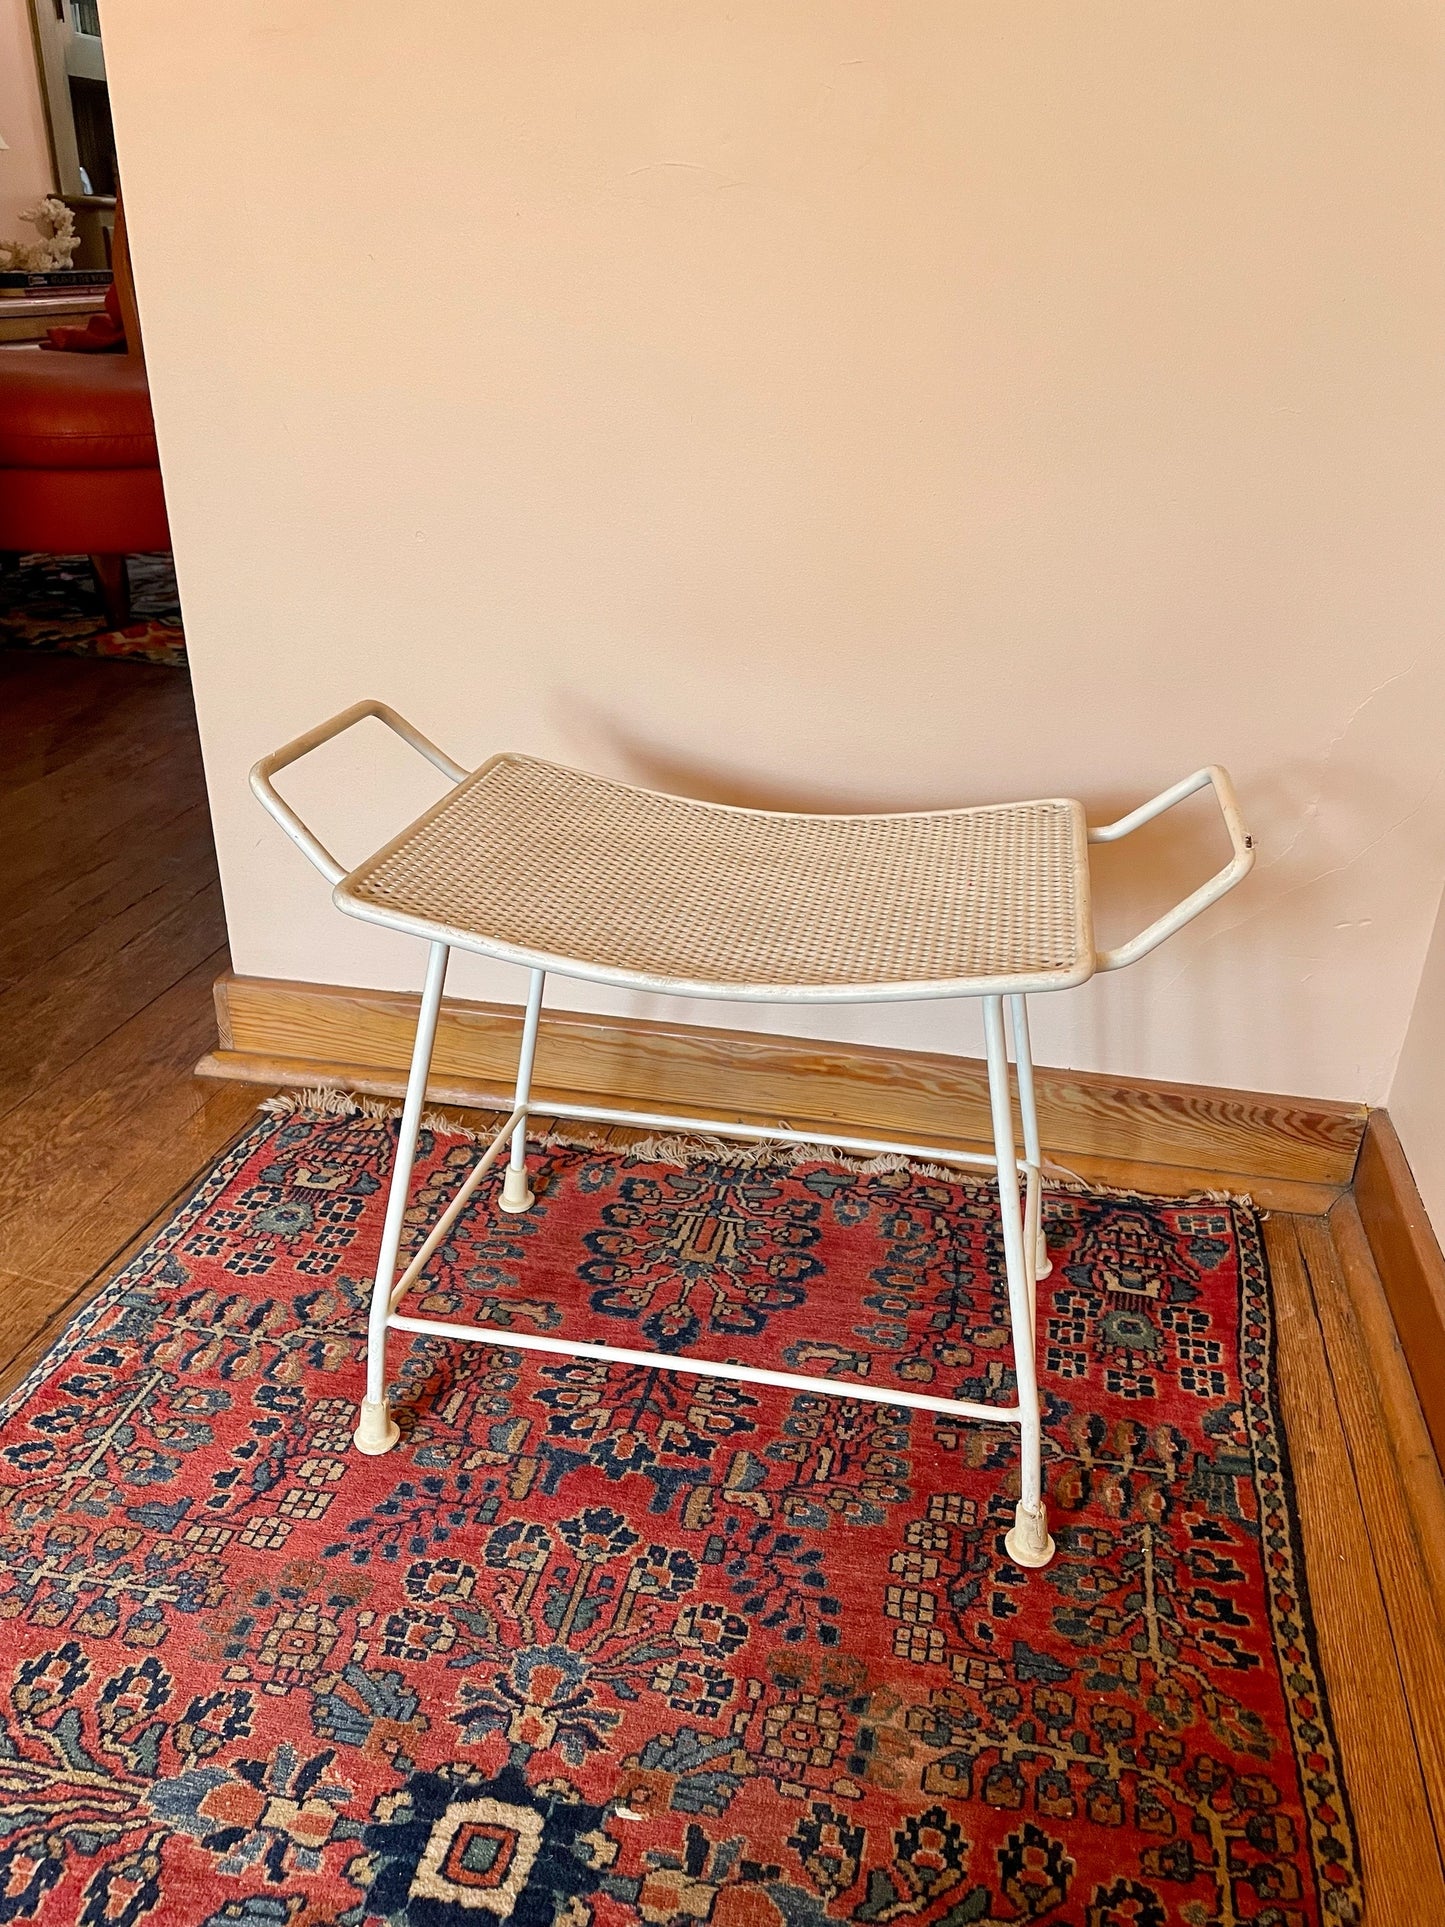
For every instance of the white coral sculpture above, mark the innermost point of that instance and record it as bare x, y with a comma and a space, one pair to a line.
55, 224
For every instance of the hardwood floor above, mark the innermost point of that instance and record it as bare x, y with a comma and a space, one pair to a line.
110, 936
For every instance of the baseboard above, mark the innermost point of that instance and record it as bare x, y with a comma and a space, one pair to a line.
1409, 1261
280, 1032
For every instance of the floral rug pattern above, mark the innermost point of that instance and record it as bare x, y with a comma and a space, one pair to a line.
51, 603
598, 1644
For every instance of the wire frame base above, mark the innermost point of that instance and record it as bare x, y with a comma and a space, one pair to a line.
504, 1337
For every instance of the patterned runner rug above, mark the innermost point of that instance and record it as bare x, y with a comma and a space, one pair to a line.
51, 603
600, 1645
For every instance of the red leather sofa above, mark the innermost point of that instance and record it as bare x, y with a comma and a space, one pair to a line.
79, 473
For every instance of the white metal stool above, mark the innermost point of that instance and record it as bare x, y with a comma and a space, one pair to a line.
556, 870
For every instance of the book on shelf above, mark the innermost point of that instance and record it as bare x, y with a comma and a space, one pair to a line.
53, 280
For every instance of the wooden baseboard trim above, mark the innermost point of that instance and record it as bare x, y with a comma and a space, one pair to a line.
280, 1032
1409, 1261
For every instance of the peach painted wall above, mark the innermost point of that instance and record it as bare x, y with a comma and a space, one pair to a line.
25, 169
841, 404
1417, 1096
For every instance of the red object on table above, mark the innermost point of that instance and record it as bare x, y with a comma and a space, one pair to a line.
103, 333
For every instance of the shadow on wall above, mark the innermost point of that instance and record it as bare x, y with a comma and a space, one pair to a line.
1135, 881
1145, 871
1321, 834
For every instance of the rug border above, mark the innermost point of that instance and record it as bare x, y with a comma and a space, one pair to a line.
219, 1172
1251, 1244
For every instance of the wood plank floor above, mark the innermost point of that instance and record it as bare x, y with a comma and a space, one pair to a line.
110, 935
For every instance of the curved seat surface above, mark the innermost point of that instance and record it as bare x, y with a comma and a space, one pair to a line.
558, 869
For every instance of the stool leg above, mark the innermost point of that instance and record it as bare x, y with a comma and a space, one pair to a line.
376, 1430
1018, 1016
1027, 1542
516, 1194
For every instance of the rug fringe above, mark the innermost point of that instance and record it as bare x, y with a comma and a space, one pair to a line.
678, 1151
673, 1149
331, 1101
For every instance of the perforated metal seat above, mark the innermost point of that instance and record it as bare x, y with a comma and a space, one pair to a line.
549, 866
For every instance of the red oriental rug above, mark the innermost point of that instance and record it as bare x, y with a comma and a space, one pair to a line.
602, 1645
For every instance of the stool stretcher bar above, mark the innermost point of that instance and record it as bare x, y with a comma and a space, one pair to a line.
753, 905
704, 1368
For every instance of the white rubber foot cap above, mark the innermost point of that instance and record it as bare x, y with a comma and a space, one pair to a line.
516, 1194
1043, 1264
376, 1430
1027, 1541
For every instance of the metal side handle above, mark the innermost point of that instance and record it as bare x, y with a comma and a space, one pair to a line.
310, 846
1218, 885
